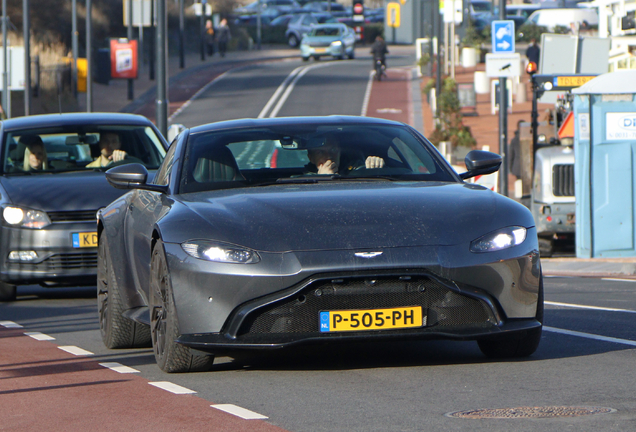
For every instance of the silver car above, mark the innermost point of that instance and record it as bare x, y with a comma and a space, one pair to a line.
336, 40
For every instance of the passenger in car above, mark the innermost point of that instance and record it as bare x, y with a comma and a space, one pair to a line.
110, 150
35, 158
326, 159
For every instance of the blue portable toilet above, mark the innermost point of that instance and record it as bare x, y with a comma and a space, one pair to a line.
605, 166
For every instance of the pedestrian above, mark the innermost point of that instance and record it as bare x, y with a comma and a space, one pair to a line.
533, 52
514, 152
223, 36
209, 38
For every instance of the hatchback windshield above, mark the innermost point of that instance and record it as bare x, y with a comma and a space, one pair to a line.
73, 148
306, 154
325, 31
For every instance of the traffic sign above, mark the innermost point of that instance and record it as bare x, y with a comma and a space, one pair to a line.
503, 65
503, 37
393, 14
358, 9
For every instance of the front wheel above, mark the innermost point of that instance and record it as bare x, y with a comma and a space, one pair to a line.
7, 292
305, 59
292, 40
518, 345
116, 330
171, 357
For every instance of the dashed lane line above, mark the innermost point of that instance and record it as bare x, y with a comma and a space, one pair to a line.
578, 306
239, 412
590, 336
619, 279
172, 388
39, 336
9, 324
118, 367
75, 350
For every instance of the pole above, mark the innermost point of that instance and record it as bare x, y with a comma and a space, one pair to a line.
201, 30
151, 60
5, 77
89, 56
181, 36
26, 32
438, 81
259, 25
74, 48
162, 67
503, 120
131, 83
452, 48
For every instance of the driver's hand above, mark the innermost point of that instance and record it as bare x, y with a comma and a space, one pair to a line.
329, 167
118, 155
374, 162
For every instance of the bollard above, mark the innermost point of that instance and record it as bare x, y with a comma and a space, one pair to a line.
482, 82
520, 95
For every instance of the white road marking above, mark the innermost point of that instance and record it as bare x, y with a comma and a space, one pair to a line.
619, 280
278, 92
578, 306
590, 336
75, 350
239, 412
172, 388
291, 86
39, 336
367, 94
10, 324
118, 367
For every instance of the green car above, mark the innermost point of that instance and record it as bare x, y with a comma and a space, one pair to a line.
336, 40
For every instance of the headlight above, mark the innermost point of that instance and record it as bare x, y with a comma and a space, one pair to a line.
336, 43
500, 239
219, 252
25, 218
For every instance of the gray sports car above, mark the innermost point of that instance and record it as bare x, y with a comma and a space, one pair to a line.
273, 232
52, 183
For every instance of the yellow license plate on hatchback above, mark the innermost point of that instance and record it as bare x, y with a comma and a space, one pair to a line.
320, 50
84, 239
372, 319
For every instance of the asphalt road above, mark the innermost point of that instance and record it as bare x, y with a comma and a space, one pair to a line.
390, 386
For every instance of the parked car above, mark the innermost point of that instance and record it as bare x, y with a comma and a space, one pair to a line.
280, 6
324, 6
282, 20
337, 40
550, 18
234, 246
301, 24
49, 207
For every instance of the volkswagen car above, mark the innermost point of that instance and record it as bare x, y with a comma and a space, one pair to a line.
51, 190
336, 40
269, 233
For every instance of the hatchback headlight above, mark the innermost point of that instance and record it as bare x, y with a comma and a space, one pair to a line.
220, 252
336, 43
500, 239
25, 218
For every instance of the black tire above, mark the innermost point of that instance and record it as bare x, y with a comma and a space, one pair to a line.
518, 345
352, 55
305, 59
116, 330
292, 40
316, 58
7, 292
171, 357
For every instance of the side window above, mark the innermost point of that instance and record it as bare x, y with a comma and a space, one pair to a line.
163, 174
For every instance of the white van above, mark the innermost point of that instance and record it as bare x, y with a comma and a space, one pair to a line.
551, 18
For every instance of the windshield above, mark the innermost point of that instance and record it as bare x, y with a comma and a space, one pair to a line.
307, 154
326, 31
72, 148
481, 6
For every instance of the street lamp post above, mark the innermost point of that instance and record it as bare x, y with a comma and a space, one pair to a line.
89, 56
74, 49
26, 34
181, 35
5, 77
131, 83
503, 120
162, 67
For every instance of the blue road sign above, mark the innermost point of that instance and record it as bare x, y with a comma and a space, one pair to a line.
503, 37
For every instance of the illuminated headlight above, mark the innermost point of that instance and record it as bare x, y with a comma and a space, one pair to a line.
500, 239
25, 218
219, 252
336, 43
27, 256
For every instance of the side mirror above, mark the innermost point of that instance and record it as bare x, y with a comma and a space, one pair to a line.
479, 162
132, 176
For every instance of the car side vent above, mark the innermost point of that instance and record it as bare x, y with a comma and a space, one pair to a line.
563, 180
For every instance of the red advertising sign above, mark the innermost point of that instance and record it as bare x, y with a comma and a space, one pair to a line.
123, 58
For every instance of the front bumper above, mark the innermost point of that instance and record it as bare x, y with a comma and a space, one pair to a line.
57, 262
331, 50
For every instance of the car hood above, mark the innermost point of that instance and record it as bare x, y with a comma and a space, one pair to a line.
349, 215
321, 39
71, 191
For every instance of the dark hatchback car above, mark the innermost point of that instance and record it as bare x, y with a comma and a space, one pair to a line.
261, 234
51, 190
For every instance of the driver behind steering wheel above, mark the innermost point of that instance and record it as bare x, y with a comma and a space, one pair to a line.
109, 147
326, 159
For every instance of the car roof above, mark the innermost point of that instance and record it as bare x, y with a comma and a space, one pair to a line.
282, 121
68, 119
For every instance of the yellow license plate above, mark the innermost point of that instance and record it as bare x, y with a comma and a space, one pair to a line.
320, 50
573, 81
372, 319
84, 239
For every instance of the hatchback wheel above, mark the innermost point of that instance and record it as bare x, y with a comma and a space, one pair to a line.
292, 40
7, 292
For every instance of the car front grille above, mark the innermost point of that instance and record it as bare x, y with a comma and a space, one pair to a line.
300, 314
73, 216
63, 261
563, 180
319, 44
